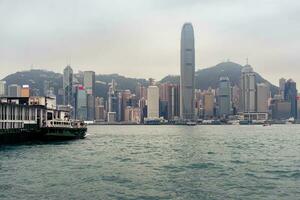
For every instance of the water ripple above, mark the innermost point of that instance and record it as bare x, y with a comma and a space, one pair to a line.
164, 162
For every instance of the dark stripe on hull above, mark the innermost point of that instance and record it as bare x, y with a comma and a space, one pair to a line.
15, 136
63, 133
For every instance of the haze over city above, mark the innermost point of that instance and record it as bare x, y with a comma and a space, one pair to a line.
141, 38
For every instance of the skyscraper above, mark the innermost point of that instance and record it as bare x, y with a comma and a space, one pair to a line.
263, 94
14, 90
175, 102
187, 72
89, 82
153, 102
248, 90
2, 88
81, 103
235, 98
89, 85
68, 86
282, 82
208, 101
224, 97
290, 95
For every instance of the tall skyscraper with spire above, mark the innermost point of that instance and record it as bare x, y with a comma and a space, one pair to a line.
187, 72
248, 90
68, 86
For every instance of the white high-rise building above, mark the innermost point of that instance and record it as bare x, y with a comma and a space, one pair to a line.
2, 88
153, 102
263, 94
187, 73
248, 90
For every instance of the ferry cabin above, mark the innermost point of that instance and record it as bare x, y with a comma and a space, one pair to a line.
31, 112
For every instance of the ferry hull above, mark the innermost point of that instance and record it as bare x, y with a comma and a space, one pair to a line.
15, 136
63, 133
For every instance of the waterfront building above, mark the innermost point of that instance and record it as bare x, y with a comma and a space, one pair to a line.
235, 98
60, 96
141, 91
118, 106
224, 97
143, 108
3, 88
136, 115
90, 107
111, 117
165, 95
132, 115
99, 109
89, 82
163, 109
68, 86
262, 97
208, 104
281, 110
100, 113
282, 82
25, 91
14, 90
153, 102
248, 90
114, 101
298, 106
175, 102
81, 103
89, 85
290, 95
187, 72
48, 90
169, 96
125, 101
128, 114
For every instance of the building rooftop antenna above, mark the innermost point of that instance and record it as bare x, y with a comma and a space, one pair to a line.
69, 61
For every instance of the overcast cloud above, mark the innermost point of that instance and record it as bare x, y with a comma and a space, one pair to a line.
141, 38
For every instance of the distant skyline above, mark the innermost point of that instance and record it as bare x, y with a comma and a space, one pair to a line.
142, 38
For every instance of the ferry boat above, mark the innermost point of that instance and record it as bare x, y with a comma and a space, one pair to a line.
36, 118
191, 123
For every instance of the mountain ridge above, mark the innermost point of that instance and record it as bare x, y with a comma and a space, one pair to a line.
204, 78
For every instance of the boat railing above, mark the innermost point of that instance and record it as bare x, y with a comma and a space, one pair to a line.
58, 124
78, 124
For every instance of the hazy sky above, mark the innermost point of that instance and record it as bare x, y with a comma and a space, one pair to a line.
141, 38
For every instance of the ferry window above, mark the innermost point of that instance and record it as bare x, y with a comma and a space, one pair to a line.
49, 116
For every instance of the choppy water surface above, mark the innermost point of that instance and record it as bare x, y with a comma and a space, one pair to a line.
158, 162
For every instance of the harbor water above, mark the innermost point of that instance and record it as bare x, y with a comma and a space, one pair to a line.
157, 162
